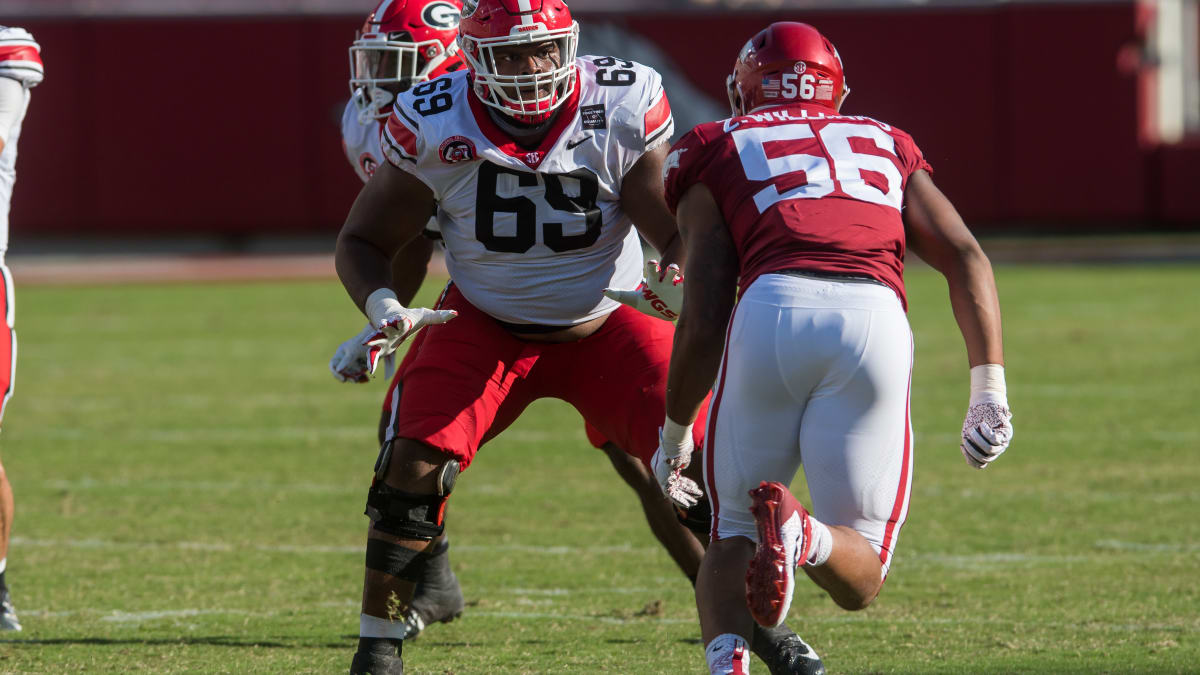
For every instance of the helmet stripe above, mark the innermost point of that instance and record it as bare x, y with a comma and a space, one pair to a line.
381, 11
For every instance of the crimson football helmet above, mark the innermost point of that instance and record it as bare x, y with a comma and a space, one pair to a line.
786, 62
491, 24
402, 42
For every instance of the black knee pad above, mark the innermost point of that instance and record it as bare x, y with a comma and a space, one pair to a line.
698, 519
406, 514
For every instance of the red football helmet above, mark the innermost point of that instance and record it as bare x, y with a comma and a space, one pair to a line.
786, 62
402, 42
488, 24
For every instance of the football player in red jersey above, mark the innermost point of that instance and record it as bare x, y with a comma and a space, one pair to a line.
538, 163
796, 211
20, 70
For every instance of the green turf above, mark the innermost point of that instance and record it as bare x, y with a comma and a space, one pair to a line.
190, 481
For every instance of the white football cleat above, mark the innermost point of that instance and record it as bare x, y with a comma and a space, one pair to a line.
8, 615
784, 540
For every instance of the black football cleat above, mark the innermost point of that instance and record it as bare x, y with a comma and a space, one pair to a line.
377, 656
437, 598
785, 653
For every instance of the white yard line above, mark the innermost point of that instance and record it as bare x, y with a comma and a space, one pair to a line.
913, 557
120, 617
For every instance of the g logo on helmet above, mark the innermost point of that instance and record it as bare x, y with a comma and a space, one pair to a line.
456, 149
440, 15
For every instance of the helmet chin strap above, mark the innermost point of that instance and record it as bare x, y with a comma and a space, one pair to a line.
369, 107
521, 132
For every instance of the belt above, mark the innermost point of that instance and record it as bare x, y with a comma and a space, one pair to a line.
530, 328
829, 276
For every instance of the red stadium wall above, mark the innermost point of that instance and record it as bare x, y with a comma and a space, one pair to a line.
194, 126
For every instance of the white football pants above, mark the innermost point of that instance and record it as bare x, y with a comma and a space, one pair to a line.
814, 372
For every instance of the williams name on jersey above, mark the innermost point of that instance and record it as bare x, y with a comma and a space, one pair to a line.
514, 217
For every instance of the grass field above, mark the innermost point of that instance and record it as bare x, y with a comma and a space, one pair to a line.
190, 482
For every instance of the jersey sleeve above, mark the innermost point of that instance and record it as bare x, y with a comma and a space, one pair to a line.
401, 141
20, 56
684, 166
656, 120
911, 157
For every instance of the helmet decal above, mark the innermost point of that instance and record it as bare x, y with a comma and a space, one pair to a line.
787, 62
440, 15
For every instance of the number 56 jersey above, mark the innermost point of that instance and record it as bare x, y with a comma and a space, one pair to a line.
803, 188
534, 235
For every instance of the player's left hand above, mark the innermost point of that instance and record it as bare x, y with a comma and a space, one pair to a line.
660, 294
673, 455
986, 432
349, 362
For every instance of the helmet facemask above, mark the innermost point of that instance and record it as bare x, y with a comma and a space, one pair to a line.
529, 98
381, 67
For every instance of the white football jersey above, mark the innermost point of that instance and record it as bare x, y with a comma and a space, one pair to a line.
20, 60
360, 141
535, 235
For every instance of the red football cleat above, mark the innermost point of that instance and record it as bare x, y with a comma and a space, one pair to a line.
784, 539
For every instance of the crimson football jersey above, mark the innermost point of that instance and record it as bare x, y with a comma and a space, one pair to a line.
800, 188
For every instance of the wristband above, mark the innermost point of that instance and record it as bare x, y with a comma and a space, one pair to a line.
674, 435
987, 385
379, 304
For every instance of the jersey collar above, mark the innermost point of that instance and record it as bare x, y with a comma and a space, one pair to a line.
531, 158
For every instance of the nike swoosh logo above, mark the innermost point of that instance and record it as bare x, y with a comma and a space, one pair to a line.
571, 145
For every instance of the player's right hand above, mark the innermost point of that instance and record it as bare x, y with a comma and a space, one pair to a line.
395, 328
987, 431
393, 323
660, 294
349, 362
673, 455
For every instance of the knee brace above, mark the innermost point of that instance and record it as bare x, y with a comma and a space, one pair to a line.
698, 519
406, 514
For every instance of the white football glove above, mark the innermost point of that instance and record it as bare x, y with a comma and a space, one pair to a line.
659, 298
673, 455
987, 429
393, 323
349, 362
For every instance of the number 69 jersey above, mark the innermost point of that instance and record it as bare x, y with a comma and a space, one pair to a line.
534, 235
802, 188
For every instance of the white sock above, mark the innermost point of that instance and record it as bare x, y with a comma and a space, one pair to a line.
3, 564
375, 627
728, 654
822, 543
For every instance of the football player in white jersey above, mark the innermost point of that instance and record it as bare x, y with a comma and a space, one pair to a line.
20, 70
536, 164
403, 43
